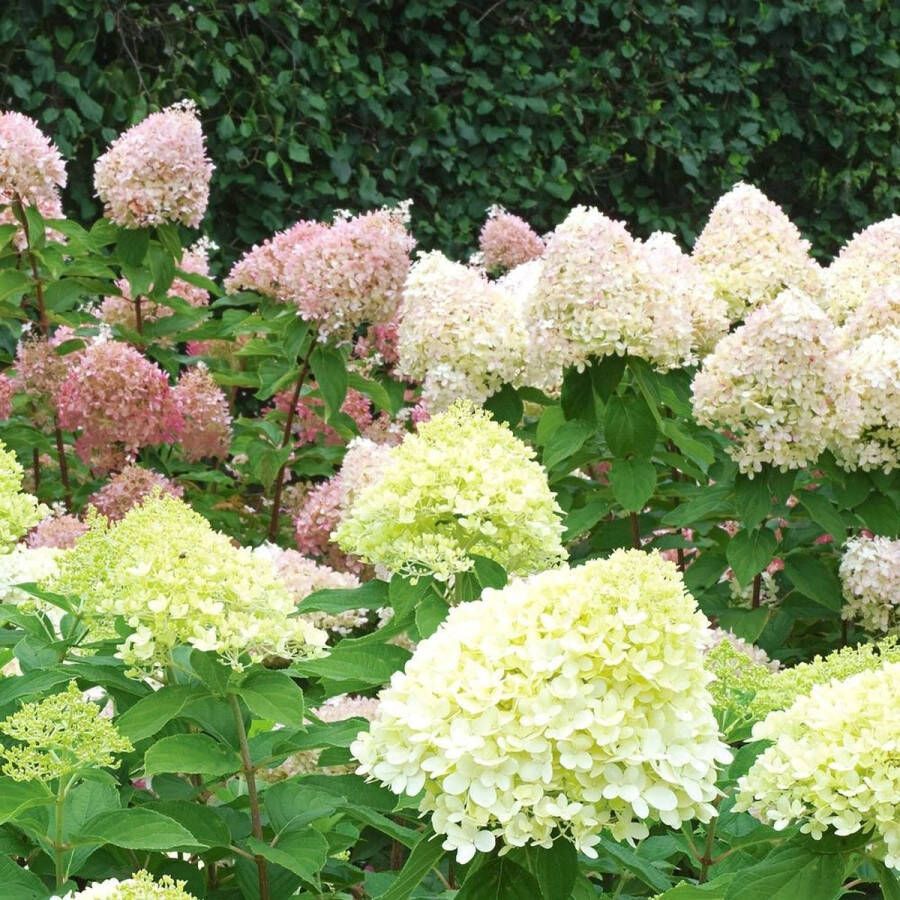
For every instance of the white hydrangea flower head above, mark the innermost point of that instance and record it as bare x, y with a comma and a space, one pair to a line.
870, 575
879, 312
775, 384
462, 485
572, 701
454, 321
140, 886
28, 565
871, 259
871, 439
833, 763
750, 251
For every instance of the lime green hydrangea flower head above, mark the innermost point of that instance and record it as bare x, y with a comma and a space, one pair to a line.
18, 511
571, 701
784, 687
58, 737
174, 580
834, 762
462, 485
140, 886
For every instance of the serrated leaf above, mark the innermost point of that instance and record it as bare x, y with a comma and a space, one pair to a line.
132, 245
136, 829
629, 427
274, 696
190, 754
814, 579
749, 552
331, 375
633, 482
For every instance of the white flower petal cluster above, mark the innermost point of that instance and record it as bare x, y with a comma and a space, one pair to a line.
26, 565
775, 385
868, 261
463, 485
871, 439
870, 575
140, 886
878, 312
458, 331
833, 763
750, 251
572, 701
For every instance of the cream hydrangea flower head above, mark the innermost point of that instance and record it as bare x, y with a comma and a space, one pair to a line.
871, 259
458, 332
879, 312
59, 737
833, 763
774, 383
572, 701
870, 575
174, 581
750, 251
462, 485
18, 511
140, 886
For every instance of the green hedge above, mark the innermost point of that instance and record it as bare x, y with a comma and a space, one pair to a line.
647, 109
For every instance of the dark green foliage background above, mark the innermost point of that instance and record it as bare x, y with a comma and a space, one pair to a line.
647, 109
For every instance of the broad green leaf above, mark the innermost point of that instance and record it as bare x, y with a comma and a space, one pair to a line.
136, 829
207, 826
553, 869
815, 579
751, 499
695, 450
302, 852
749, 552
330, 370
425, 855
273, 695
190, 754
823, 513
505, 405
881, 514
633, 482
606, 373
629, 427
567, 439
500, 879
20, 883
710, 502
429, 615
577, 397
490, 574
13, 283
639, 867
132, 245
17, 796
789, 873
371, 595
364, 664
584, 518
153, 712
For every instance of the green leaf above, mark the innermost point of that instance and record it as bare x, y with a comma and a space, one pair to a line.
606, 373
370, 665
553, 869
564, 441
170, 239
206, 825
814, 579
501, 879
190, 754
577, 397
889, 881
629, 427
745, 623
788, 873
17, 796
505, 405
429, 615
20, 883
302, 852
132, 245
211, 671
633, 482
331, 374
373, 390
693, 449
880, 513
151, 713
584, 518
490, 574
823, 513
751, 499
749, 552
710, 890
370, 595
425, 855
275, 696
710, 502
13, 283
136, 829
637, 865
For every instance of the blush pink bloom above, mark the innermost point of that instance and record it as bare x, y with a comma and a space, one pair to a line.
119, 401
57, 531
309, 424
128, 488
7, 389
318, 516
31, 169
157, 171
507, 241
379, 344
40, 370
207, 418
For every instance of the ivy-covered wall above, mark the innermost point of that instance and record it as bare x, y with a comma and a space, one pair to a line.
648, 109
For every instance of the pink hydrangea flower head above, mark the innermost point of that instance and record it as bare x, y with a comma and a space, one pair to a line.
207, 417
351, 273
7, 389
31, 169
57, 531
119, 401
128, 488
318, 516
309, 424
379, 344
40, 370
157, 171
507, 241
261, 268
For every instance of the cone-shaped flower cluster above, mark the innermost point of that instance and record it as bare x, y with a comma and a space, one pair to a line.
207, 417
41, 370
507, 241
750, 251
774, 384
879, 312
867, 262
140, 886
119, 401
573, 701
157, 171
129, 488
31, 169
463, 485
18, 511
833, 763
59, 532
59, 736
870, 575
176, 581
459, 332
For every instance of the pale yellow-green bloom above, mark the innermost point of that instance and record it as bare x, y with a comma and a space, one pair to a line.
18, 511
173, 580
834, 762
140, 886
59, 737
572, 701
463, 485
